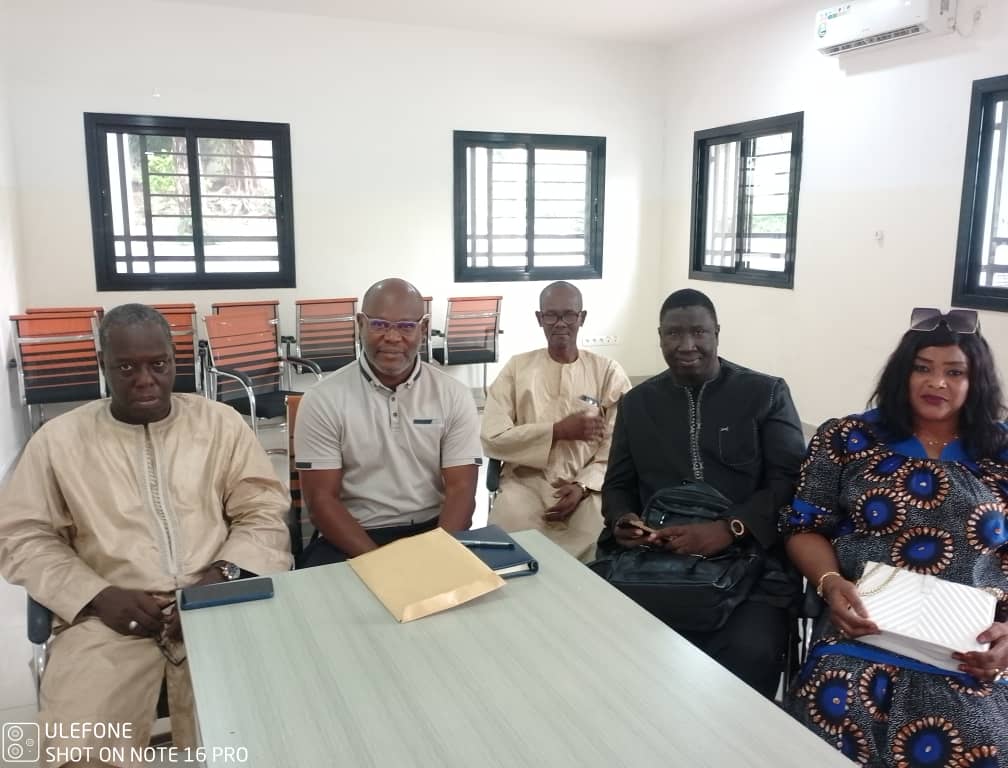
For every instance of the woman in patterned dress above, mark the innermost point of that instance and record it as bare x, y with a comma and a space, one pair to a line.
921, 483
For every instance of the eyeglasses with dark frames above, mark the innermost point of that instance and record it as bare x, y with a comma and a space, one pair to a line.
552, 318
956, 320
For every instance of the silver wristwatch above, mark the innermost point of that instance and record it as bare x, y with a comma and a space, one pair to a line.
229, 571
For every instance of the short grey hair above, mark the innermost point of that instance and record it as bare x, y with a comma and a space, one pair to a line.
131, 314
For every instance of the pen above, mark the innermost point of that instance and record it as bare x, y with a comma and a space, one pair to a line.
487, 544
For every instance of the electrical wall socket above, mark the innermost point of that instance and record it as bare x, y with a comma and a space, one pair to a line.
603, 340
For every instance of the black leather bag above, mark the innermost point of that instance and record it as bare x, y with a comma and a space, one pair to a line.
687, 592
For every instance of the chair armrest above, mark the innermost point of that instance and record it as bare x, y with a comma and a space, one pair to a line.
232, 373
39, 622
309, 364
493, 474
812, 606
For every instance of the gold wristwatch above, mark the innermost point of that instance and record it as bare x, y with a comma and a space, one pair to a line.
585, 490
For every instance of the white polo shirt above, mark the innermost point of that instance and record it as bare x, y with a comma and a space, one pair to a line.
390, 444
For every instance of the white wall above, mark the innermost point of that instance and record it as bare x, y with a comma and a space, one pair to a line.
11, 418
372, 108
884, 148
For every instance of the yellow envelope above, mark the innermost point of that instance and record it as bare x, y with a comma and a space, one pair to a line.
424, 574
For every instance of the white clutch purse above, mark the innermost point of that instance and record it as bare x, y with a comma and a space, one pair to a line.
922, 616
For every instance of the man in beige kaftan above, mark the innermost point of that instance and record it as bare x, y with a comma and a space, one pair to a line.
554, 444
115, 505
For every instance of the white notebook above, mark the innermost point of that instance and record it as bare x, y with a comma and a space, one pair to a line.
922, 616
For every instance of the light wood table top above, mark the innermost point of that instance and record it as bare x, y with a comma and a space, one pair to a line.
555, 669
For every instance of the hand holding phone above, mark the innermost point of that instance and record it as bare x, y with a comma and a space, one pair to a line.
628, 523
631, 531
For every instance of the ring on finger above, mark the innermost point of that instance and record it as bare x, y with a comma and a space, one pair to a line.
999, 675
133, 626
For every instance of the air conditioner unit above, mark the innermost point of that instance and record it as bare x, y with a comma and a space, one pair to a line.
861, 23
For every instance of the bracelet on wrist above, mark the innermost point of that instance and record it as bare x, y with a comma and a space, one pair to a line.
822, 580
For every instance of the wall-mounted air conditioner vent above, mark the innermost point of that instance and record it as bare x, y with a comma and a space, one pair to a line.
861, 23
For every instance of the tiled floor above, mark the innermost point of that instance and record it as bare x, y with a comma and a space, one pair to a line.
17, 690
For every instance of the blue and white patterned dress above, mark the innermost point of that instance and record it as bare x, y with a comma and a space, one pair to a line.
888, 502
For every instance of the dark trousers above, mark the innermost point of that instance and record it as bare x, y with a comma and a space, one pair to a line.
751, 644
322, 552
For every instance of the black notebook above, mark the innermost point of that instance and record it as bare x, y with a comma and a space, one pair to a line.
505, 561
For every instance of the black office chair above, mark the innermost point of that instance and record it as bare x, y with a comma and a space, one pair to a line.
493, 473
39, 630
805, 613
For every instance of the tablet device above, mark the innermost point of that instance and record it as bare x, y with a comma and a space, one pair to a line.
226, 592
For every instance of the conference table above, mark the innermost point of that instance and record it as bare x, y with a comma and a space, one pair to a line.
554, 669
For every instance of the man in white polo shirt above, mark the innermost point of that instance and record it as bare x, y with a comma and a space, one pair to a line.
387, 446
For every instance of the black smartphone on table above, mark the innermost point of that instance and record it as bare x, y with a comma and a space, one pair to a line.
226, 592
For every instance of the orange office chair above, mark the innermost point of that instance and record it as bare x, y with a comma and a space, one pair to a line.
245, 368
472, 324
182, 319
327, 331
56, 354
99, 311
268, 308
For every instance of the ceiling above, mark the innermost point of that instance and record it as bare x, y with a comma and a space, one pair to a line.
641, 21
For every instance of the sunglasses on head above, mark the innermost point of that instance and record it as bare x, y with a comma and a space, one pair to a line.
956, 320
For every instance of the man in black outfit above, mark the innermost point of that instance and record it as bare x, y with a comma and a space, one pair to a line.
735, 429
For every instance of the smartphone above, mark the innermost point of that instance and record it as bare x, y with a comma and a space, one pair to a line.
226, 592
635, 524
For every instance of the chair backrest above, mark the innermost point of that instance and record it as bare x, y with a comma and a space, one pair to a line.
425, 343
98, 311
327, 331
268, 308
471, 328
245, 343
182, 319
301, 528
57, 357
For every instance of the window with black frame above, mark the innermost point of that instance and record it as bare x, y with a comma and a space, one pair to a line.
981, 272
745, 201
180, 203
528, 206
